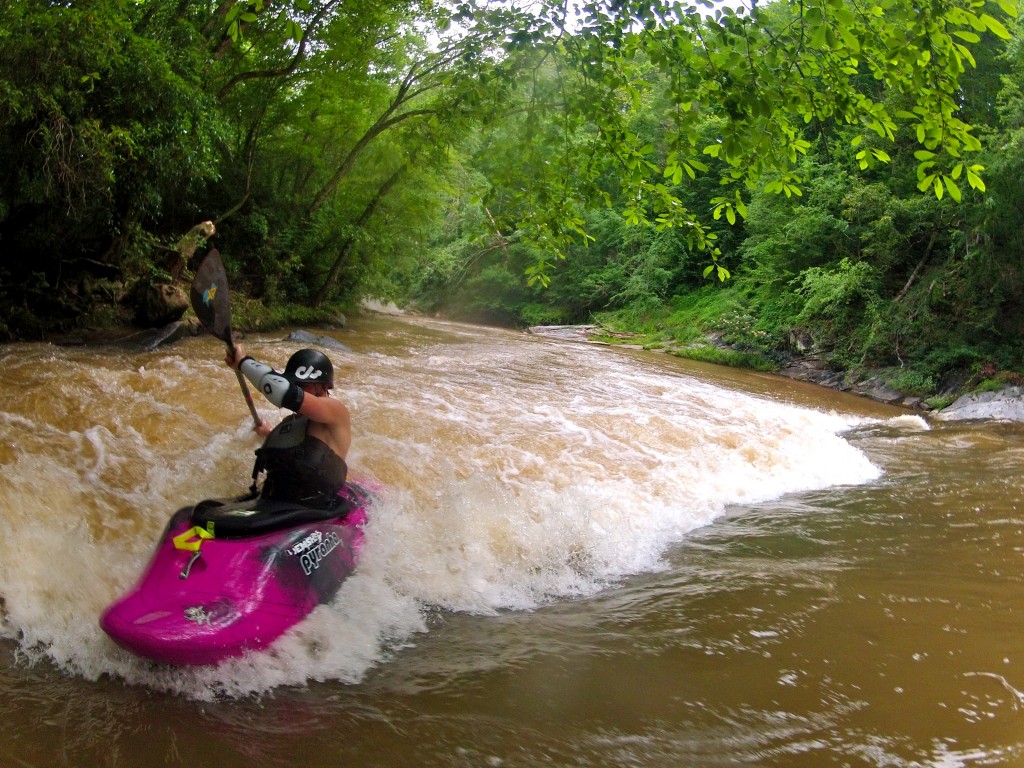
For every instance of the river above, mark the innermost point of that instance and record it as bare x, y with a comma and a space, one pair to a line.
582, 556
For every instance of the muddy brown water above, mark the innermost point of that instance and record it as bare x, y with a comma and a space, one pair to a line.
583, 557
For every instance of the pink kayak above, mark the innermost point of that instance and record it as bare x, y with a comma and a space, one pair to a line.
232, 576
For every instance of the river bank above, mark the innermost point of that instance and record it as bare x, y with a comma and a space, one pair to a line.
1005, 404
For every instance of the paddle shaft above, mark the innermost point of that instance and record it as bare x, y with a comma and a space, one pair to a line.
245, 390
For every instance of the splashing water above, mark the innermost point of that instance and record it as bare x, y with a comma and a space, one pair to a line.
515, 472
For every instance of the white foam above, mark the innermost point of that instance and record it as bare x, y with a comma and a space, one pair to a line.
909, 422
513, 474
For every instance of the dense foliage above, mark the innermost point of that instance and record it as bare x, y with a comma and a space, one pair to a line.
824, 175
859, 263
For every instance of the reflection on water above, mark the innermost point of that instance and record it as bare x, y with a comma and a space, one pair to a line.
585, 556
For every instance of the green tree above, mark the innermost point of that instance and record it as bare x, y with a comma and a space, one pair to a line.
103, 133
768, 75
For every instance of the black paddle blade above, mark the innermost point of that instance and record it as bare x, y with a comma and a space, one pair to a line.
211, 299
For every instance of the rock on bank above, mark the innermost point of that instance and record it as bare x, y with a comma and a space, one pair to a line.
1004, 405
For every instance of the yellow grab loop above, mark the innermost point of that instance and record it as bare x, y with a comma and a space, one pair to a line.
192, 539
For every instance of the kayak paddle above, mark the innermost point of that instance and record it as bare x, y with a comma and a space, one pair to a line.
211, 302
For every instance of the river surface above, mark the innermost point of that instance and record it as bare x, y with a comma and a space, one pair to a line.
583, 556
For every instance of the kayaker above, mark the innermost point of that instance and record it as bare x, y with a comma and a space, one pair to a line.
304, 455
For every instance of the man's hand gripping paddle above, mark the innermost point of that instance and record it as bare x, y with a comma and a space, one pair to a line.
211, 302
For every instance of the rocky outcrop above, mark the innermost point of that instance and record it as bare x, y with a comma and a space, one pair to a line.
158, 304
1003, 405
305, 337
867, 385
151, 339
1006, 404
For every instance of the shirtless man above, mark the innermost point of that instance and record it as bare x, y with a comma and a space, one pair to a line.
304, 456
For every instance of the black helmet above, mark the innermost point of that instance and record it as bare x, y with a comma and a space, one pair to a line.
307, 366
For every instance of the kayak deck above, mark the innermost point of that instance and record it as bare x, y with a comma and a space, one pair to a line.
206, 597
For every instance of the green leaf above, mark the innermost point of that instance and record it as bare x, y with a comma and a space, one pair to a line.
849, 38
819, 32
995, 26
974, 179
954, 190
965, 52
970, 37
1009, 7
